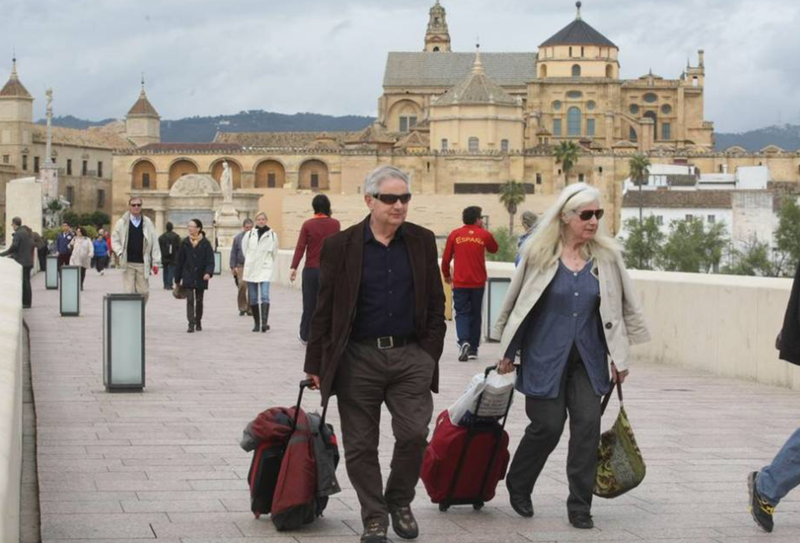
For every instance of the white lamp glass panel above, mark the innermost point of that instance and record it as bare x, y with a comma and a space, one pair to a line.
217, 263
51, 272
497, 289
70, 290
126, 342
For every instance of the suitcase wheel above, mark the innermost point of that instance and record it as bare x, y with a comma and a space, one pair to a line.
443, 507
477, 506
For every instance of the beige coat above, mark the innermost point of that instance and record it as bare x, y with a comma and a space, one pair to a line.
151, 249
259, 255
623, 321
82, 252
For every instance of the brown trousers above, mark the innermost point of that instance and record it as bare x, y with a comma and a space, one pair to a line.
368, 377
244, 303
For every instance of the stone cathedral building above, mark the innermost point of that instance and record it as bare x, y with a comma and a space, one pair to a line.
461, 124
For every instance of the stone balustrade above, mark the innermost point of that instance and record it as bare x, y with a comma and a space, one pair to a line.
718, 324
11, 352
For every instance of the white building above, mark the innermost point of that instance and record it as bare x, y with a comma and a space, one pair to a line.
740, 200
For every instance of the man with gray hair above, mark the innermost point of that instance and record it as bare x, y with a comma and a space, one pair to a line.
376, 337
237, 268
21, 250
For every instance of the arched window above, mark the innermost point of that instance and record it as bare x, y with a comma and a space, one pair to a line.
576, 70
504, 146
445, 144
609, 71
436, 49
573, 121
543, 71
652, 115
474, 145
632, 135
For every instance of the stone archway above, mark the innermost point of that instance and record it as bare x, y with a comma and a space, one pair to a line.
314, 175
236, 171
179, 168
143, 175
270, 174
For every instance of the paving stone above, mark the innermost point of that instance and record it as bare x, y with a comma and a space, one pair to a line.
166, 462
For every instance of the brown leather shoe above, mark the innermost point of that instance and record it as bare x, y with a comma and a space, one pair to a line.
404, 523
374, 532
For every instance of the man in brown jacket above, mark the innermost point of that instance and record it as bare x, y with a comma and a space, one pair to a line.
376, 337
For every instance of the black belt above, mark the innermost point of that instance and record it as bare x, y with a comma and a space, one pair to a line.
388, 342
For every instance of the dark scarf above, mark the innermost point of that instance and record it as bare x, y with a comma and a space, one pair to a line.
261, 231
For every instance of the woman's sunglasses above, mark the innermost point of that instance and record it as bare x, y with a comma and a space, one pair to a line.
587, 215
391, 199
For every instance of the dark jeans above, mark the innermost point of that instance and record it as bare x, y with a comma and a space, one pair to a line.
83, 276
42, 259
310, 291
547, 416
63, 259
168, 275
366, 378
194, 305
26, 286
101, 263
468, 302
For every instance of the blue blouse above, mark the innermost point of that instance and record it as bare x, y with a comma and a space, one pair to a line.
567, 313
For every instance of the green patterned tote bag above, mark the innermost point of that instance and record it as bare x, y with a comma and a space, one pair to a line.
620, 466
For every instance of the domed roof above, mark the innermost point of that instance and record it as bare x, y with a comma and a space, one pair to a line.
578, 32
14, 87
143, 107
476, 88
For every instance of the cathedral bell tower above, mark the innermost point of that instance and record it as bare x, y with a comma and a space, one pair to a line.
437, 38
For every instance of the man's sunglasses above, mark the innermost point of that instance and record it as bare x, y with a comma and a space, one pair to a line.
587, 215
391, 199
136, 205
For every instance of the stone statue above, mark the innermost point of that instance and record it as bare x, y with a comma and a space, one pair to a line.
226, 183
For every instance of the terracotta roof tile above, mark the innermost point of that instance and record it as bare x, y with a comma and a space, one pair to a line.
143, 107
283, 140
703, 199
95, 138
14, 87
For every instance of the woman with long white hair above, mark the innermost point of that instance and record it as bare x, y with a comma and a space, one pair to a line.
570, 309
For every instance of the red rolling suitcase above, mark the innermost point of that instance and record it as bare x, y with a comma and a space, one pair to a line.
463, 464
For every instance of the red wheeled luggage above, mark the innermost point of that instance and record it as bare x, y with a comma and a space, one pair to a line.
463, 464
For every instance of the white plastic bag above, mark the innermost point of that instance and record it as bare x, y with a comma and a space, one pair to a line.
496, 390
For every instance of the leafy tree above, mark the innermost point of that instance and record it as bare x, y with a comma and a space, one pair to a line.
753, 260
643, 244
566, 154
691, 247
507, 244
787, 235
639, 166
511, 195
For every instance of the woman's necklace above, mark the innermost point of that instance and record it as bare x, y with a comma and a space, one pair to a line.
572, 259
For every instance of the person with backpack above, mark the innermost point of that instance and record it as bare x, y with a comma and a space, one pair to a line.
772, 483
169, 242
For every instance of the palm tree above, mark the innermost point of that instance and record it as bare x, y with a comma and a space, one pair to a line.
640, 172
566, 154
511, 195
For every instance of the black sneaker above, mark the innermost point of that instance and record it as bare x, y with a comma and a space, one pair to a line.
404, 523
463, 352
761, 510
473, 355
374, 532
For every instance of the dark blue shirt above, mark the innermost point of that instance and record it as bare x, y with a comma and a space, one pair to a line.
62, 243
386, 294
567, 314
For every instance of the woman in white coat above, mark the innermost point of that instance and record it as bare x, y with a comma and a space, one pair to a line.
569, 311
82, 252
260, 247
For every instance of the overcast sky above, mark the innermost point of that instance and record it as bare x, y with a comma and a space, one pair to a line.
213, 57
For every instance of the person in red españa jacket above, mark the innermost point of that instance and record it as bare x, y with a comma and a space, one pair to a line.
468, 245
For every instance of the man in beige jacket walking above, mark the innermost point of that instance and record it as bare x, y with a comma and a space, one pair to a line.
136, 247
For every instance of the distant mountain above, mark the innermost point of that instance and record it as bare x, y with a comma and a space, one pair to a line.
203, 129
786, 137
73, 122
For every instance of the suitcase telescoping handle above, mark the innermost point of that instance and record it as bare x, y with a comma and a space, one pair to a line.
304, 384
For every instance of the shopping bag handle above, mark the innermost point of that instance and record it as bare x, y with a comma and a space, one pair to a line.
607, 397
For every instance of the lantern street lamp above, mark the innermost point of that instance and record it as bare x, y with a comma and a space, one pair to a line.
123, 342
217, 263
51, 272
70, 291
496, 289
